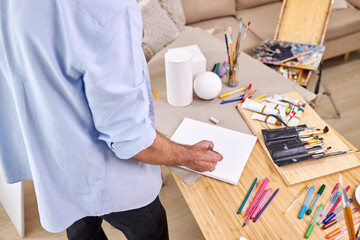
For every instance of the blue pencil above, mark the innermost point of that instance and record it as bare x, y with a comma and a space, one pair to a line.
229, 101
267, 203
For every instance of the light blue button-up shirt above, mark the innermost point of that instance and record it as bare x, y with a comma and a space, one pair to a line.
75, 106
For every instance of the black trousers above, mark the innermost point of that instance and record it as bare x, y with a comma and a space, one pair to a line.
146, 223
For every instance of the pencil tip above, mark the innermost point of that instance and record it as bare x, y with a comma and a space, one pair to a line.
244, 225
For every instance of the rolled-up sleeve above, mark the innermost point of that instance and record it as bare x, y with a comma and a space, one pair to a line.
115, 85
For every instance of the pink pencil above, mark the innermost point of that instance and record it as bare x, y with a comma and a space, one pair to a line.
258, 194
261, 204
257, 204
337, 202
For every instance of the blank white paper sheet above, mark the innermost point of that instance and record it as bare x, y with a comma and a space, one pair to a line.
235, 147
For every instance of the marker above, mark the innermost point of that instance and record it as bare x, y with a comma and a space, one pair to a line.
267, 203
308, 212
302, 191
336, 220
223, 69
261, 204
307, 200
312, 224
337, 202
257, 196
247, 92
345, 233
326, 209
253, 210
333, 214
247, 196
333, 201
341, 229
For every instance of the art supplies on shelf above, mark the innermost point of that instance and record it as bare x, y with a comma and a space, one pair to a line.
259, 201
290, 54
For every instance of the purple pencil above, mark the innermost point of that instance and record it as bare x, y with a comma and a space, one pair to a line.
266, 204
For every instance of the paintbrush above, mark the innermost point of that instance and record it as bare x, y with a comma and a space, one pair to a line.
238, 40
347, 211
325, 130
293, 57
334, 153
230, 44
246, 30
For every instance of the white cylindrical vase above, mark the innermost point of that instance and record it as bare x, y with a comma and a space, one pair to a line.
179, 82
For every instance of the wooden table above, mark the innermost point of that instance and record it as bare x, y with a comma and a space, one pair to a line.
214, 203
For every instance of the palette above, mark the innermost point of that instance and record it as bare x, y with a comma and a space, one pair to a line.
290, 54
309, 169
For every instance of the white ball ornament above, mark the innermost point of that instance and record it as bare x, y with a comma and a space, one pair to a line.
207, 85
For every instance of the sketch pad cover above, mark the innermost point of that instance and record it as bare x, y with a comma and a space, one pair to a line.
235, 147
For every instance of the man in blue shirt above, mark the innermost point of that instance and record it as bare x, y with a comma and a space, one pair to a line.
76, 117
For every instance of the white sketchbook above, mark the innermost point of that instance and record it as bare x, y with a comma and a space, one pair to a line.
235, 147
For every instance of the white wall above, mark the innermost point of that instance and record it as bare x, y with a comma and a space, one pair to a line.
12, 199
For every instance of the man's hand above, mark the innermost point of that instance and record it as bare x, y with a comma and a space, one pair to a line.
198, 157
201, 157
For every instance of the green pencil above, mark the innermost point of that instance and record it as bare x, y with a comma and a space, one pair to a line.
246, 197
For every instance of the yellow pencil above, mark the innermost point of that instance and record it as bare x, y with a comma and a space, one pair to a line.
262, 96
229, 93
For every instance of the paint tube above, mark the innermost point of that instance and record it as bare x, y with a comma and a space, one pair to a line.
273, 105
264, 118
278, 102
282, 113
294, 121
290, 100
290, 115
258, 107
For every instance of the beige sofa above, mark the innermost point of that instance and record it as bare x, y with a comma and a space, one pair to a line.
343, 34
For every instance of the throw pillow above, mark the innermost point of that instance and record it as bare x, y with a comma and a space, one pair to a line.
199, 10
355, 3
244, 4
159, 29
339, 4
175, 10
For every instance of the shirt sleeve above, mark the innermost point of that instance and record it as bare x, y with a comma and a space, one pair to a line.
115, 85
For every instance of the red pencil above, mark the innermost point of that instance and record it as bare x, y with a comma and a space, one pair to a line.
247, 92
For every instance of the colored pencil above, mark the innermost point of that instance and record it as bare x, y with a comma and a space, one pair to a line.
247, 196
266, 204
232, 92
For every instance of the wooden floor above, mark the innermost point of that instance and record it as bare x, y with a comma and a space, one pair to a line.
343, 79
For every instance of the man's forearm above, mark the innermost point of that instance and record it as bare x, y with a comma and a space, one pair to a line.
162, 152
199, 157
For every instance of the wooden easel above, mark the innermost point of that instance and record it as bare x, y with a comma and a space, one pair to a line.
305, 21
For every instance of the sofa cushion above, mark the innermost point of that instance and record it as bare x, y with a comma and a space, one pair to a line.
175, 10
264, 20
355, 3
218, 24
159, 29
343, 22
200, 10
245, 4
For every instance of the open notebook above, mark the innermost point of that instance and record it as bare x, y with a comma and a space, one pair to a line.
235, 147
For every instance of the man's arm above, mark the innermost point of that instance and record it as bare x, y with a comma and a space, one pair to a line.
199, 157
